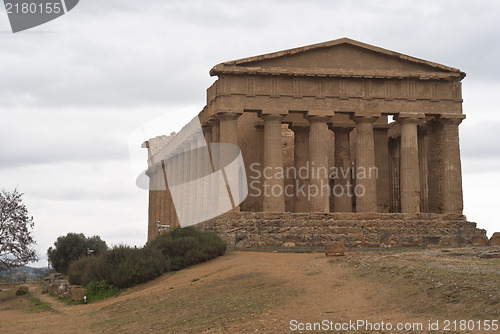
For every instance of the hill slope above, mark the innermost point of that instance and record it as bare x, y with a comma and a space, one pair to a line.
244, 292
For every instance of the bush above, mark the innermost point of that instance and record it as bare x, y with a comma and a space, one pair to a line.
188, 246
124, 266
99, 290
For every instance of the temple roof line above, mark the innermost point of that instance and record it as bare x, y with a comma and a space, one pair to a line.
244, 65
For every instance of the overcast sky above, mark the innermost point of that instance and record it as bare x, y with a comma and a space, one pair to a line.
73, 90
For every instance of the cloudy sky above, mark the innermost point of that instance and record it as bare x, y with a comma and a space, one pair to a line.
73, 90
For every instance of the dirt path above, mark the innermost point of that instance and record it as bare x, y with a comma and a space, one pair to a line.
54, 303
241, 292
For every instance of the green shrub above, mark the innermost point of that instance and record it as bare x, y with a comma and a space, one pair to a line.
124, 266
121, 266
188, 246
100, 290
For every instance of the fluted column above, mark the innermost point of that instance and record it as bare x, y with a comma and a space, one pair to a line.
452, 167
228, 132
318, 156
423, 156
366, 181
158, 197
410, 169
214, 123
168, 217
259, 126
301, 159
228, 127
175, 181
274, 198
150, 205
342, 197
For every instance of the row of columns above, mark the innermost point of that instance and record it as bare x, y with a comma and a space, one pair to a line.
311, 145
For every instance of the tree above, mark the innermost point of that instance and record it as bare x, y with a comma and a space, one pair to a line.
18, 276
16, 240
71, 247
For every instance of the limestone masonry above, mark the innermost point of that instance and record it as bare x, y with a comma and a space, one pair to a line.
342, 141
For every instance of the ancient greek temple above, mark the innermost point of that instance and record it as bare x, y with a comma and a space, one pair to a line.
340, 140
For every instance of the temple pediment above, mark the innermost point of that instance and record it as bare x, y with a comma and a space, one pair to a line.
339, 58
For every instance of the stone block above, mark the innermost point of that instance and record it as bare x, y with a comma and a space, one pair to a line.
495, 239
334, 248
479, 240
61, 290
22, 290
76, 292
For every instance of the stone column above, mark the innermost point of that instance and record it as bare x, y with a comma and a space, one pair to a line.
150, 204
342, 191
228, 127
274, 198
175, 179
318, 168
168, 205
381, 137
214, 123
366, 181
193, 171
394, 153
228, 133
301, 159
452, 167
410, 169
423, 152
259, 126
158, 197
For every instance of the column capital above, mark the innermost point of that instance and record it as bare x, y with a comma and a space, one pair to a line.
213, 121
410, 117
272, 117
321, 112
341, 127
272, 112
228, 115
299, 126
318, 118
451, 119
364, 119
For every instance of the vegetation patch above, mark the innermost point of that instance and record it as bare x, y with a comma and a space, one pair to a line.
38, 305
124, 266
100, 290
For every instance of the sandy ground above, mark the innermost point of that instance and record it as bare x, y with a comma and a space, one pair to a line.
257, 292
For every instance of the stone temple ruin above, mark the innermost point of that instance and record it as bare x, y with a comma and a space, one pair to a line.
342, 141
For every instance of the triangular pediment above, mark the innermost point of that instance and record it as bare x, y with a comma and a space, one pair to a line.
341, 57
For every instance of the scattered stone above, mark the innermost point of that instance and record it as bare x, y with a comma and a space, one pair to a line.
77, 293
334, 248
56, 276
289, 244
494, 254
22, 290
495, 239
62, 290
